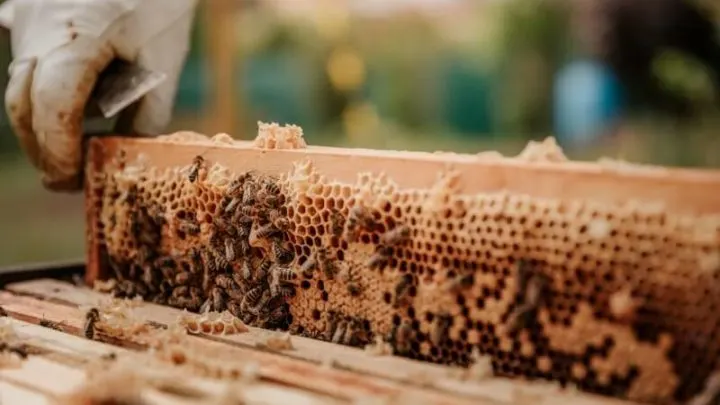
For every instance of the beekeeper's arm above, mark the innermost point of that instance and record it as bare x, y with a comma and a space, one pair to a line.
60, 46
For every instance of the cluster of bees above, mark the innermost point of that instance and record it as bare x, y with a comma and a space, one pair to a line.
245, 267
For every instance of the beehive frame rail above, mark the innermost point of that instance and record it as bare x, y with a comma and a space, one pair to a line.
282, 376
675, 195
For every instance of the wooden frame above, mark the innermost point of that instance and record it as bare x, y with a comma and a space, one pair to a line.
683, 193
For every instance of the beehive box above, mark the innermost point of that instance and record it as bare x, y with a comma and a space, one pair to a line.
604, 276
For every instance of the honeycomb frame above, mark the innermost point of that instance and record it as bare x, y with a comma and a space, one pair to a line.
624, 260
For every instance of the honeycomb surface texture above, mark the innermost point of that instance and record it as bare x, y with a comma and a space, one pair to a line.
620, 300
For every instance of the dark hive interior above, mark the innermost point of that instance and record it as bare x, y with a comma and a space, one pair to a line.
621, 300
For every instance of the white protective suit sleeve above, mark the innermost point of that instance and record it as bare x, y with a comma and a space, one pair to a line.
60, 46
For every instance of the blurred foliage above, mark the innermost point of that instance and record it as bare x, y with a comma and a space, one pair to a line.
684, 76
532, 45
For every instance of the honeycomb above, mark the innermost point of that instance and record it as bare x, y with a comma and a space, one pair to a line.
621, 300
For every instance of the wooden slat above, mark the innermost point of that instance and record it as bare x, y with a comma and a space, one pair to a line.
65, 378
273, 367
375, 370
12, 394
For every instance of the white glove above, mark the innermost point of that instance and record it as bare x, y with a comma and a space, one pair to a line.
59, 48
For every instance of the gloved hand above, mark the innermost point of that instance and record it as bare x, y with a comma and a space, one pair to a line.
59, 48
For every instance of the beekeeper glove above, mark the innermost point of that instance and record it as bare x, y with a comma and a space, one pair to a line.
60, 46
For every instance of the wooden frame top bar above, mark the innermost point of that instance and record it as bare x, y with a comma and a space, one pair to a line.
687, 191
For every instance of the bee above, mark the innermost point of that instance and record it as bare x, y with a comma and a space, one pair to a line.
209, 262
223, 226
224, 281
272, 188
50, 324
268, 195
180, 291
358, 219
235, 187
533, 288
112, 356
353, 333
331, 322
278, 276
232, 205
245, 248
380, 259
403, 336
92, 317
221, 261
340, 331
195, 264
277, 316
249, 211
402, 290
266, 231
354, 288
150, 277
261, 305
336, 223
287, 290
281, 253
235, 308
395, 237
324, 263
229, 250
219, 302
249, 193
132, 194
281, 223
252, 298
182, 278
245, 272
19, 350
263, 269
189, 227
309, 267
459, 283
441, 325
197, 163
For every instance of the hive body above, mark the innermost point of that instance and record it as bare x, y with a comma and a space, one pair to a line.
616, 296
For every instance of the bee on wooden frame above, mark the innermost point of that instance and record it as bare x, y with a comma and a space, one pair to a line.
50, 324
92, 317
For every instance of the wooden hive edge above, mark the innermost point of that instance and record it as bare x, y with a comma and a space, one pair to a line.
677, 190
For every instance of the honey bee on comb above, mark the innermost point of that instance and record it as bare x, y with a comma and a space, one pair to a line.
325, 263
532, 287
380, 258
197, 165
397, 236
235, 187
360, 218
337, 223
281, 253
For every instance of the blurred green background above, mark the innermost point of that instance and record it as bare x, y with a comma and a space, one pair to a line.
459, 75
